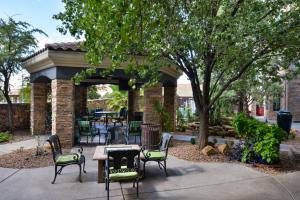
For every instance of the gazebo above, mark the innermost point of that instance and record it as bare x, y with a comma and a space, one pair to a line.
52, 69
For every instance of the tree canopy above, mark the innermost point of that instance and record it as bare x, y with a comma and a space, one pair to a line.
16, 41
92, 92
213, 42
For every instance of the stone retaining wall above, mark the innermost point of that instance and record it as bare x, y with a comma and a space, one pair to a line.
21, 115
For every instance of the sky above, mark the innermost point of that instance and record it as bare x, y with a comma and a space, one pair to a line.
39, 14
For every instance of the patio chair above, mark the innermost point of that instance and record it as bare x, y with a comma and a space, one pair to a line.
121, 117
62, 160
87, 130
122, 165
133, 129
116, 135
158, 153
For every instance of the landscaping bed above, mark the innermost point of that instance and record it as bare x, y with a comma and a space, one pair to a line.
26, 159
19, 135
189, 152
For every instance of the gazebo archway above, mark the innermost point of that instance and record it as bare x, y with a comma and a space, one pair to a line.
58, 63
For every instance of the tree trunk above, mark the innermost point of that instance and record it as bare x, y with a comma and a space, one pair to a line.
10, 113
203, 130
241, 102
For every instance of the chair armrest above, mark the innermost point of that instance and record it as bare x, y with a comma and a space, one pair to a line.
152, 147
80, 150
146, 153
75, 156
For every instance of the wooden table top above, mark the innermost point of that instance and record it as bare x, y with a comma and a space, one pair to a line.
100, 153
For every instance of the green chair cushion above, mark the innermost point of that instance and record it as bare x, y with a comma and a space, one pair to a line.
66, 158
155, 155
123, 175
134, 133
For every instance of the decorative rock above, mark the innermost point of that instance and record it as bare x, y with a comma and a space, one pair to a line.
227, 127
223, 148
208, 150
47, 146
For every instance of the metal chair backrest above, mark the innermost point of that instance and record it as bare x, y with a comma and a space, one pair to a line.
121, 156
98, 114
55, 146
84, 126
123, 112
134, 126
164, 142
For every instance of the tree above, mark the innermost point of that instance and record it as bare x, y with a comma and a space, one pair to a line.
116, 99
93, 92
256, 86
25, 92
212, 42
16, 41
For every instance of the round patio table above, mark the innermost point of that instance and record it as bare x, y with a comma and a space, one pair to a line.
106, 113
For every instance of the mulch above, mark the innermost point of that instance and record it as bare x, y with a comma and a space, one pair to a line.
189, 152
26, 159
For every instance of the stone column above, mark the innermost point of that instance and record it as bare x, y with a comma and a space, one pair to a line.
38, 108
133, 105
293, 98
150, 96
170, 103
63, 111
80, 100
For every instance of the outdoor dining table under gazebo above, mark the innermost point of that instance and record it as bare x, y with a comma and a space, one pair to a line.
107, 114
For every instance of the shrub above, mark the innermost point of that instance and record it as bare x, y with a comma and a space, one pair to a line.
262, 141
193, 141
181, 122
4, 136
165, 117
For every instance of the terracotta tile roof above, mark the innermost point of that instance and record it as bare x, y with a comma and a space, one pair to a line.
62, 46
71, 46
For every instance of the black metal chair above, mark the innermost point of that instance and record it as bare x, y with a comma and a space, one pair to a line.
133, 129
157, 153
62, 160
122, 165
116, 135
86, 129
121, 117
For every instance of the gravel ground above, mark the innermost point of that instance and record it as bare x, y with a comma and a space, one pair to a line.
187, 151
25, 159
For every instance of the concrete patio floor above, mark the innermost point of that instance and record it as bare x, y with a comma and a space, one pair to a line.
186, 180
